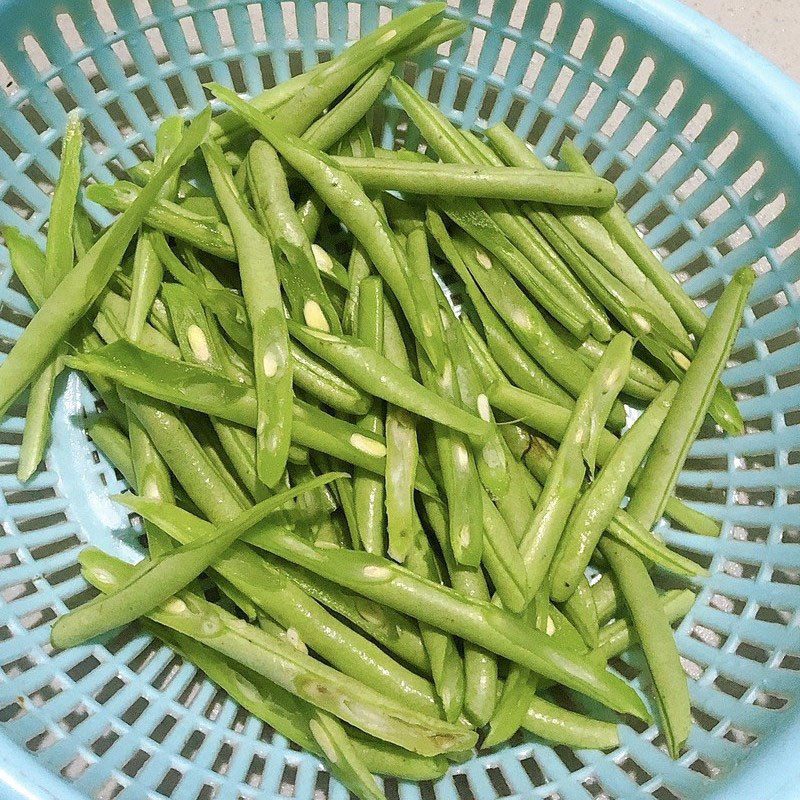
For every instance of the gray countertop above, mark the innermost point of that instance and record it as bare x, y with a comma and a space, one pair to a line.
772, 27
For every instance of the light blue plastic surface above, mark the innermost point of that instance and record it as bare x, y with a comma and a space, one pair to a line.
125, 717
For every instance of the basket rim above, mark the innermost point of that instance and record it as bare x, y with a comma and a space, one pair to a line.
757, 84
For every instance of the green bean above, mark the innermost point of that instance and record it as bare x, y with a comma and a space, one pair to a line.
310, 213
539, 456
376, 374
599, 503
580, 610
444, 30
420, 275
691, 403
280, 662
520, 685
578, 447
345, 760
358, 268
60, 250
446, 664
368, 488
275, 592
658, 643
459, 473
271, 359
337, 123
490, 457
78, 290
723, 406
480, 666
617, 637
299, 275
496, 332
348, 202
114, 444
208, 234
562, 726
338, 74
523, 318
148, 272
395, 632
483, 624
325, 384
288, 714
463, 180
584, 228
691, 519
59, 258
402, 452
606, 597
27, 261
501, 230
156, 579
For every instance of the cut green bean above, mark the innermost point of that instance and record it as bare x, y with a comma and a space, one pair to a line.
299, 275
114, 444
156, 580
480, 666
337, 123
76, 293
577, 451
148, 271
322, 686
599, 503
462, 180
688, 410
446, 663
658, 643
580, 610
59, 258
271, 359
368, 488
376, 374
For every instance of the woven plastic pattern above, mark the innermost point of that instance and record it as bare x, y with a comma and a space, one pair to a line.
707, 161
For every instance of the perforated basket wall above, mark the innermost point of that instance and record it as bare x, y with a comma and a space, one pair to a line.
700, 136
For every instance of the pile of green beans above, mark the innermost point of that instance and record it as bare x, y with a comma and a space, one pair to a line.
388, 524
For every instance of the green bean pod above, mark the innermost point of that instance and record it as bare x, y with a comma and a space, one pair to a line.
78, 290
578, 448
353, 107
271, 359
368, 488
474, 180
596, 508
323, 686
480, 666
299, 275
688, 410
580, 610
376, 374
59, 258
658, 643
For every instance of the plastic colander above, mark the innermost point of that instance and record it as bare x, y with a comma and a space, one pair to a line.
702, 137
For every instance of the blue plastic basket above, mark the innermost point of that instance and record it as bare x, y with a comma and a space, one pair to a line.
700, 135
